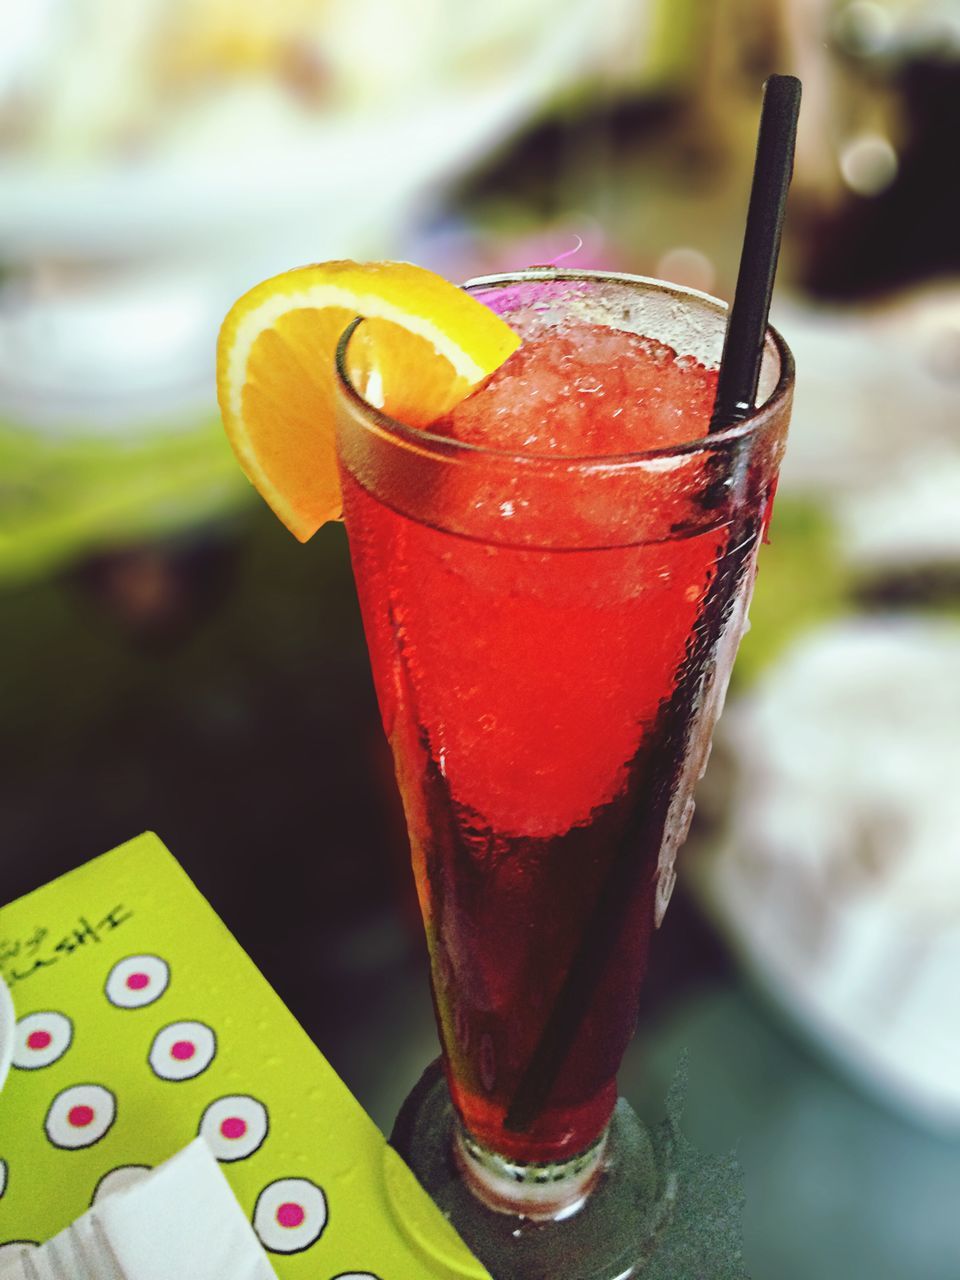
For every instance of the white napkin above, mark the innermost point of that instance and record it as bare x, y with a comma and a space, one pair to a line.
181, 1220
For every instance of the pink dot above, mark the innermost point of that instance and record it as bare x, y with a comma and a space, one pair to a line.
137, 981
80, 1117
233, 1127
290, 1215
39, 1039
183, 1050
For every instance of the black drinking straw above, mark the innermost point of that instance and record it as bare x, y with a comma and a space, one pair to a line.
736, 395
747, 321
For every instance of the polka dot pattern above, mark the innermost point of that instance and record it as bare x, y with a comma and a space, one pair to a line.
41, 1040
290, 1215
80, 1116
182, 1050
234, 1127
137, 981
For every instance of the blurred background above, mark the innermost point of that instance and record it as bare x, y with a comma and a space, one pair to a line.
171, 659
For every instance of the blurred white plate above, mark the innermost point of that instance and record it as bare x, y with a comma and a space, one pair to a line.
8, 1025
835, 883
333, 183
837, 1030
879, 389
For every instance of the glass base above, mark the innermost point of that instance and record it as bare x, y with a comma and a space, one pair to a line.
603, 1223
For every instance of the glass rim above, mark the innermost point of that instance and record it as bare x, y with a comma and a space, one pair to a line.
449, 448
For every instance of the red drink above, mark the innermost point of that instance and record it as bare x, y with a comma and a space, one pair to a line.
547, 580
518, 689
553, 583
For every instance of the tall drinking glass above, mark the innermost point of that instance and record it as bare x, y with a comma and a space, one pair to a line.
551, 639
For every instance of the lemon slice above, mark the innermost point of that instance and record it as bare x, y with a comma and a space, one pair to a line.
425, 343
